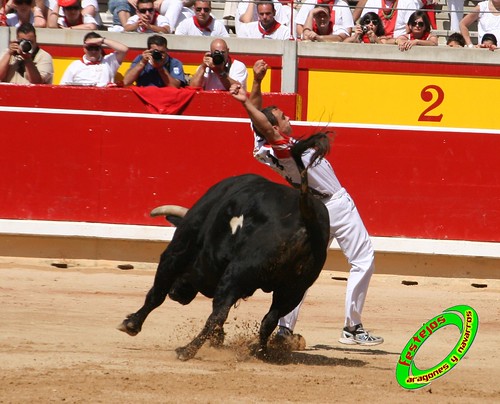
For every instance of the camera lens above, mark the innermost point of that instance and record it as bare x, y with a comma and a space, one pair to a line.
156, 54
217, 58
25, 46
364, 28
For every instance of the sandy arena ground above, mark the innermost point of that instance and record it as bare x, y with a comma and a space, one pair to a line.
58, 343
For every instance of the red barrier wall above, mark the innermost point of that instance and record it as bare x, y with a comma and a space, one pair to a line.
113, 168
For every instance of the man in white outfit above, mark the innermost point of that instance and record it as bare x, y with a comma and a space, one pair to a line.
272, 147
202, 23
218, 70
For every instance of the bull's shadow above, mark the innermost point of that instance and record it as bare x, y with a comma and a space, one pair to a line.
277, 357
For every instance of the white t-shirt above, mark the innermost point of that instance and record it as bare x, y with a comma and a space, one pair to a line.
343, 16
161, 21
82, 73
188, 27
488, 22
251, 30
282, 16
87, 19
13, 19
237, 71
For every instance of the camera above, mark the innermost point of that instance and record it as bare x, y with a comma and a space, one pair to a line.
364, 28
156, 55
217, 57
25, 45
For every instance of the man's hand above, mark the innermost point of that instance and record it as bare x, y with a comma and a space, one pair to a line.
238, 92
259, 70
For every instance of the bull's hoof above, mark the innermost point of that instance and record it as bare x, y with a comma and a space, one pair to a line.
129, 327
185, 353
288, 343
258, 351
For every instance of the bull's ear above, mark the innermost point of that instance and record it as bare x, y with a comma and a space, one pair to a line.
175, 220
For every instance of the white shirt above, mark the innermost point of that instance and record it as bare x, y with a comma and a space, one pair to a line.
237, 71
343, 16
188, 27
87, 19
321, 177
282, 16
98, 75
52, 3
488, 23
251, 30
161, 21
13, 19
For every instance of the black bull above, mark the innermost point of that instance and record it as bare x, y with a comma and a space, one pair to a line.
245, 233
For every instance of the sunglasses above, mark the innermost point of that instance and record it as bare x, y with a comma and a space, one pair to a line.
205, 9
72, 8
419, 24
146, 10
93, 48
374, 22
20, 2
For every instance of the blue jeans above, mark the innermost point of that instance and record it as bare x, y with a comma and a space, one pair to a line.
116, 6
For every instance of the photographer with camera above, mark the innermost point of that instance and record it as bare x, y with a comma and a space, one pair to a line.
218, 71
202, 23
24, 62
155, 67
369, 30
95, 68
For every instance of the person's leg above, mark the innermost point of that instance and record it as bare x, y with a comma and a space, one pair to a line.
288, 322
348, 229
171, 9
456, 8
121, 11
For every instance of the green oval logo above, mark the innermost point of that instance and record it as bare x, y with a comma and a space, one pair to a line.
465, 319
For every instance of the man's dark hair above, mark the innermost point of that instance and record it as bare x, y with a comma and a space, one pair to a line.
268, 112
157, 40
489, 37
271, 3
144, 1
91, 35
456, 37
26, 28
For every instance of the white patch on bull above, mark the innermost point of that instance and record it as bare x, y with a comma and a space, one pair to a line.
236, 223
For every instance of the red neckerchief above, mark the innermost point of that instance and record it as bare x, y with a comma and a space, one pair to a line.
204, 27
366, 39
424, 37
80, 21
270, 30
388, 15
87, 62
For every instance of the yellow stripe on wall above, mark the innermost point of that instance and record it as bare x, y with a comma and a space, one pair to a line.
396, 99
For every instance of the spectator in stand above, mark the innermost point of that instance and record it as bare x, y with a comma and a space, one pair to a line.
176, 11
340, 17
267, 27
89, 7
246, 12
218, 70
25, 11
369, 30
155, 67
24, 62
202, 23
487, 15
319, 26
95, 68
148, 19
418, 32
74, 16
489, 41
455, 40
456, 9
122, 10
393, 13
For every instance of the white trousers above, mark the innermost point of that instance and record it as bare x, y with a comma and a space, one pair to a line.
456, 8
348, 229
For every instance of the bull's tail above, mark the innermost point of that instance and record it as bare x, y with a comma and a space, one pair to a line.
320, 143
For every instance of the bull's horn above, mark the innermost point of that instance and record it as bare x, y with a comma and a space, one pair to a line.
169, 210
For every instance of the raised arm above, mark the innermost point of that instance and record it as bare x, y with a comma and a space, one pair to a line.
259, 72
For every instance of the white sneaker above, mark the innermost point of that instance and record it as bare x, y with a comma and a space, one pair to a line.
359, 337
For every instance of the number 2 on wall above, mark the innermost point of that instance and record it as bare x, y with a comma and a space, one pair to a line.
434, 94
